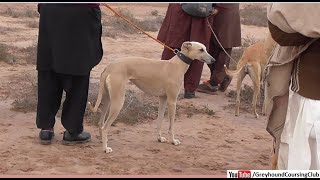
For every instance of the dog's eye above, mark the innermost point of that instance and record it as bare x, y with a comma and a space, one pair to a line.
201, 50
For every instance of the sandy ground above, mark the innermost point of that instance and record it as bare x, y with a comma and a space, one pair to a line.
210, 144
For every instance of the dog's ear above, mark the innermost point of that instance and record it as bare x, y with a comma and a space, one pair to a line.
186, 45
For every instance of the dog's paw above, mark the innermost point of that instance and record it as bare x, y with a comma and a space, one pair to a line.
108, 150
257, 116
176, 142
162, 139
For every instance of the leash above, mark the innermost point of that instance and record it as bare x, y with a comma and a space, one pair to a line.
219, 42
175, 51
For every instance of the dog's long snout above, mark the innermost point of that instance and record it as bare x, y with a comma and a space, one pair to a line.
211, 60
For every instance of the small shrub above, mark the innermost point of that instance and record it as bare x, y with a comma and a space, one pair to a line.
154, 13
31, 53
254, 15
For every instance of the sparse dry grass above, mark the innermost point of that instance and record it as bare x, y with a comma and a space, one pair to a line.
5, 55
33, 24
154, 12
109, 33
246, 95
193, 110
254, 15
18, 14
31, 53
118, 24
27, 100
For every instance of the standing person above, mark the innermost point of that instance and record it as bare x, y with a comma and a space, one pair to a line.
226, 25
178, 27
293, 91
69, 46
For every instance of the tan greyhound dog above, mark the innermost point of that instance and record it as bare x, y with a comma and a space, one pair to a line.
155, 77
253, 62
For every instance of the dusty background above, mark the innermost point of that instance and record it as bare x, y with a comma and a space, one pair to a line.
213, 139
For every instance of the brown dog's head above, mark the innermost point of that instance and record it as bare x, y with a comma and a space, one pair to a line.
196, 50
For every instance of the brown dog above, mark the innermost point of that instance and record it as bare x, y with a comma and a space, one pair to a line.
252, 62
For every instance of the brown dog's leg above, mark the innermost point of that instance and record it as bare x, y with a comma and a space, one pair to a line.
241, 76
254, 73
274, 162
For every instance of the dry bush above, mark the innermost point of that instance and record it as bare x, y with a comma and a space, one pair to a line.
33, 24
27, 100
109, 33
31, 53
135, 110
246, 95
18, 14
117, 23
191, 110
5, 55
154, 12
254, 15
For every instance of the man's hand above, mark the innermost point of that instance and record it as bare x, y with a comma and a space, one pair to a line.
214, 12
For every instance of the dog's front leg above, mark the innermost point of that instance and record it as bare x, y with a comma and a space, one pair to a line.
172, 113
161, 111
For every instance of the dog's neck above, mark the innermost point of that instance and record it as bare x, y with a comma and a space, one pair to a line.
184, 58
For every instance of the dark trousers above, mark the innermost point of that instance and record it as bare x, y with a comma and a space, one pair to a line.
217, 69
50, 89
192, 76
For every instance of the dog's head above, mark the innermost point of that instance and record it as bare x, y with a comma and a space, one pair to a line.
196, 50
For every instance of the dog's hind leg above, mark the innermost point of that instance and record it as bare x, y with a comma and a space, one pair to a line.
116, 89
254, 73
161, 111
104, 112
241, 76
172, 103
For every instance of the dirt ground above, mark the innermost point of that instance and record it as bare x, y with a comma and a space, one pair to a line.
211, 144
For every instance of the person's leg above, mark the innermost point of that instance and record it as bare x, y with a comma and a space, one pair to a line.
315, 164
192, 78
214, 51
227, 79
314, 138
76, 88
219, 75
210, 86
49, 99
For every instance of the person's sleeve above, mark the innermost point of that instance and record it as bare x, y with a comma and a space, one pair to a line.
287, 39
296, 18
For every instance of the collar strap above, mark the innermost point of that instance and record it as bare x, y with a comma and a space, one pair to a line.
182, 57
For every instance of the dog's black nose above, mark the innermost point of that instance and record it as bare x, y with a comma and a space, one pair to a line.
213, 60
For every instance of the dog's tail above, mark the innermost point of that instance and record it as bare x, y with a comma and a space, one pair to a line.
234, 72
103, 77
